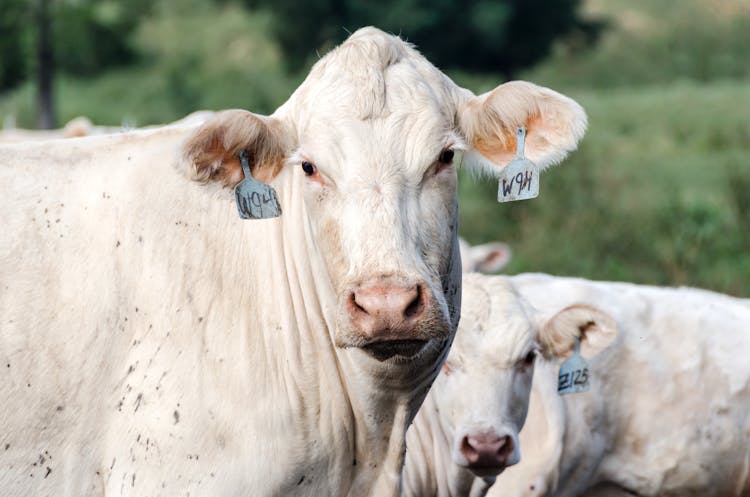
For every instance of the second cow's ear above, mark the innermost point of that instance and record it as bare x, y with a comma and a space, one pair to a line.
554, 125
595, 329
213, 150
484, 258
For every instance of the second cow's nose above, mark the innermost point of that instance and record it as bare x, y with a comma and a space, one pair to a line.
387, 310
487, 451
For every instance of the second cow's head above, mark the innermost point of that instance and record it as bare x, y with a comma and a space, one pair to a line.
375, 134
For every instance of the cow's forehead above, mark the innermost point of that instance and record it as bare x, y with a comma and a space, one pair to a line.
371, 77
496, 323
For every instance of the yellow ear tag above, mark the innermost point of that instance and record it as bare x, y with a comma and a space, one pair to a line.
519, 180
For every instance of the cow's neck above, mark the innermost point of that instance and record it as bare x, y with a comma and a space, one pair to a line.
361, 417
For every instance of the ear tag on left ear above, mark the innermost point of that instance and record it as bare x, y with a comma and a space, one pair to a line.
519, 180
574, 374
255, 199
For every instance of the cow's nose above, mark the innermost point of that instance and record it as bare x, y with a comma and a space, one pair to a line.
383, 311
487, 453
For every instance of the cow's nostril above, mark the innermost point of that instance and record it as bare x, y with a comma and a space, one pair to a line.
354, 304
416, 306
468, 450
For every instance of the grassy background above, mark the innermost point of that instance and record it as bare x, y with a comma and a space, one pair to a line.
659, 191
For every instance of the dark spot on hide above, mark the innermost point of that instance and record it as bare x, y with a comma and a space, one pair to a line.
301, 480
59, 408
49, 470
354, 462
176, 416
117, 244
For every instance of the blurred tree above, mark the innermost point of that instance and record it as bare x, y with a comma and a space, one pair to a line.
12, 66
93, 35
80, 37
45, 66
480, 35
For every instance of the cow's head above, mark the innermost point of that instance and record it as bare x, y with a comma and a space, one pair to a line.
375, 134
485, 384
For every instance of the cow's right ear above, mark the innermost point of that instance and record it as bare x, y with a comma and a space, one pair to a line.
212, 152
595, 329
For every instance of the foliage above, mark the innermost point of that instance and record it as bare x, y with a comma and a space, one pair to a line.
186, 64
89, 36
699, 42
500, 35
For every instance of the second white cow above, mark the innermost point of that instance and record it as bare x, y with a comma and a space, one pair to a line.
466, 432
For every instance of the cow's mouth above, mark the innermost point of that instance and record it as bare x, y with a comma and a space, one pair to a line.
384, 350
486, 471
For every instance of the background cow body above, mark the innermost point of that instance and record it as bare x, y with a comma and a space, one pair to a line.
156, 344
667, 412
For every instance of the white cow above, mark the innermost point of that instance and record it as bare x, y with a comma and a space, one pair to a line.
466, 432
153, 343
669, 409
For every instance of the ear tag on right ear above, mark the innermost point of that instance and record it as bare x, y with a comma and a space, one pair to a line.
574, 374
255, 199
519, 180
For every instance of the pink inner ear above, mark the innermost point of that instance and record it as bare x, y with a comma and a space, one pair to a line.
495, 260
501, 149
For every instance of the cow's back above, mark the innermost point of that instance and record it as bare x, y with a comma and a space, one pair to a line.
71, 266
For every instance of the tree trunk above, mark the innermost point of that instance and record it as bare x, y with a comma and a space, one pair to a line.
45, 66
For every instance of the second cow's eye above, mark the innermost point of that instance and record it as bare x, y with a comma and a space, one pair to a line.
309, 168
529, 359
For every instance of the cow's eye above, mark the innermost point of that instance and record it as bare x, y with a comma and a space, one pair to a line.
529, 359
446, 156
309, 168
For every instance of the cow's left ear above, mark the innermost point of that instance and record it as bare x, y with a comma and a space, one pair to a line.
595, 329
554, 125
212, 152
